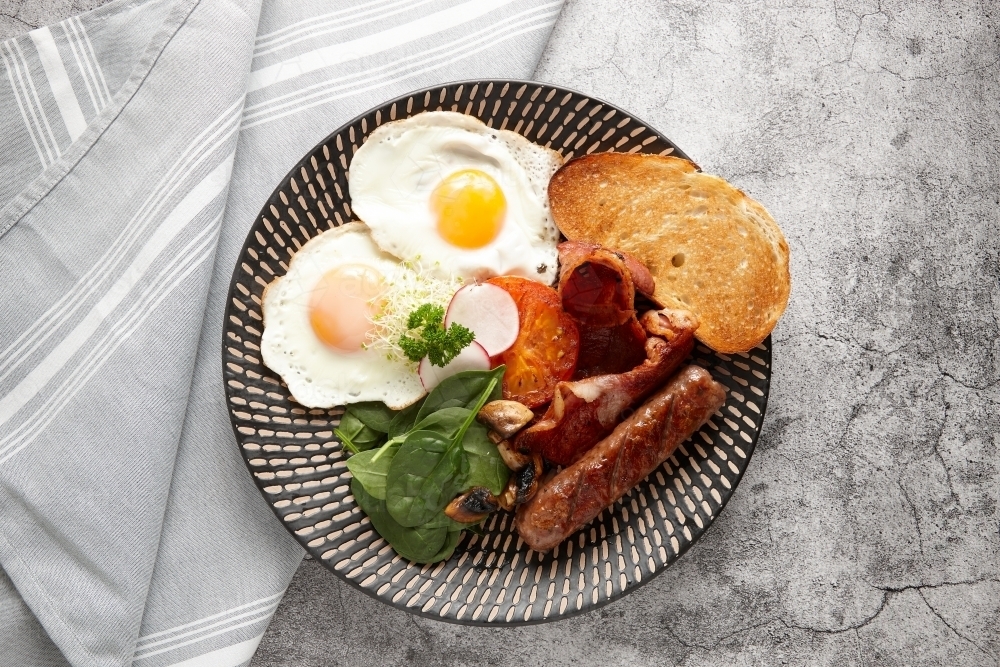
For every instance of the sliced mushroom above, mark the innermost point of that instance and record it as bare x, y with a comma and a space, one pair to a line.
529, 479
472, 506
523, 484
505, 417
495, 437
513, 459
508, 499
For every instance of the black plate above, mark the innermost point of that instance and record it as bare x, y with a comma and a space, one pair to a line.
299, 466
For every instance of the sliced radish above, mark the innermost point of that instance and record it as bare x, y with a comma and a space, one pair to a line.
472, 358
489, 311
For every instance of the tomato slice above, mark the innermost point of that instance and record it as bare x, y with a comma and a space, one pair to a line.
547, 344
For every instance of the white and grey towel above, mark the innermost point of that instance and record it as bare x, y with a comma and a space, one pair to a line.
137, 144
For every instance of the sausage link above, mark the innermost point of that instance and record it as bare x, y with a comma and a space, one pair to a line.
577, 494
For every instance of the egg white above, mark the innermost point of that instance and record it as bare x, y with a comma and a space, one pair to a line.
316, 375
395, 171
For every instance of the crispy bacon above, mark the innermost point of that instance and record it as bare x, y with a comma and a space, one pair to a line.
598, 286
584, 411
610, 350
574, 252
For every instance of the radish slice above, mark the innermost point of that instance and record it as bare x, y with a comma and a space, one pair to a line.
472, 358
489, 311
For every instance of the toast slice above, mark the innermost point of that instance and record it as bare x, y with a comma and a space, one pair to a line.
712, 249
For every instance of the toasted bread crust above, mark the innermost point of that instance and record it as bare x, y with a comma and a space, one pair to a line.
712, 249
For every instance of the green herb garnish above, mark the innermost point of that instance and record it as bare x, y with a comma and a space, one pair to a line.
430, 339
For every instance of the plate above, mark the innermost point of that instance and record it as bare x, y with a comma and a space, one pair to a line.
494, 578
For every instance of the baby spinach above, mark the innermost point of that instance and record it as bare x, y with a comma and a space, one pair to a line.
355, 435
405, 419
446, 421
462, 390
371, 467
434, 451
448, 548
486, 468
427, 472
430, 469
442, 519
373, 414
421, 544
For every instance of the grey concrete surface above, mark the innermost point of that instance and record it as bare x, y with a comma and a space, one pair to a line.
19, 16
866, 530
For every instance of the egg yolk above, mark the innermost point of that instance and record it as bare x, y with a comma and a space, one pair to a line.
470, 208
342, 305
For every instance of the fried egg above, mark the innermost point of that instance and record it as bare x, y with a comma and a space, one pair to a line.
318, 322
444, 190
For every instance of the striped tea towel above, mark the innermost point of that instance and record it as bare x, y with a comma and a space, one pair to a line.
137, 144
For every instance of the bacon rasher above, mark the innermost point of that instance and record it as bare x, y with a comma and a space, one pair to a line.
583, 412
598, 287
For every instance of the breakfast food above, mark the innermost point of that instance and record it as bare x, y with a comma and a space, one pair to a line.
476, 356
421, 458
547, 345
318, 317
634, 449
443, 189
489, 312
598, 288
472, 358
584, 411
711, 249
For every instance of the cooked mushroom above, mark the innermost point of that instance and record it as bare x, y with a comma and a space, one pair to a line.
523, 484
514, 459
472, 506
508, 499
505, 417
528, 479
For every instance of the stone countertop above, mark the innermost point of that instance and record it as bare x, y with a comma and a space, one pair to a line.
866, 530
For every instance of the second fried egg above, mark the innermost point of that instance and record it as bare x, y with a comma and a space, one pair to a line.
444, 190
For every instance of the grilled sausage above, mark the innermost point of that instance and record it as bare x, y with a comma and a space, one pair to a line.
634, 449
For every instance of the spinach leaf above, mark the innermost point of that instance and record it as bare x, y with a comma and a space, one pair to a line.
486, 468
446, 421
448, 548
373, 414
428, 471
442, 519
371, 467
405, 419
462, 390
423, 545
355, 436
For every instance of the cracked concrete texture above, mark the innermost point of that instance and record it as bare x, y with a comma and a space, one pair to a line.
19, 16
866, 530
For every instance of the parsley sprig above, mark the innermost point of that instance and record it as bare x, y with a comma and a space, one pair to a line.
427, 337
